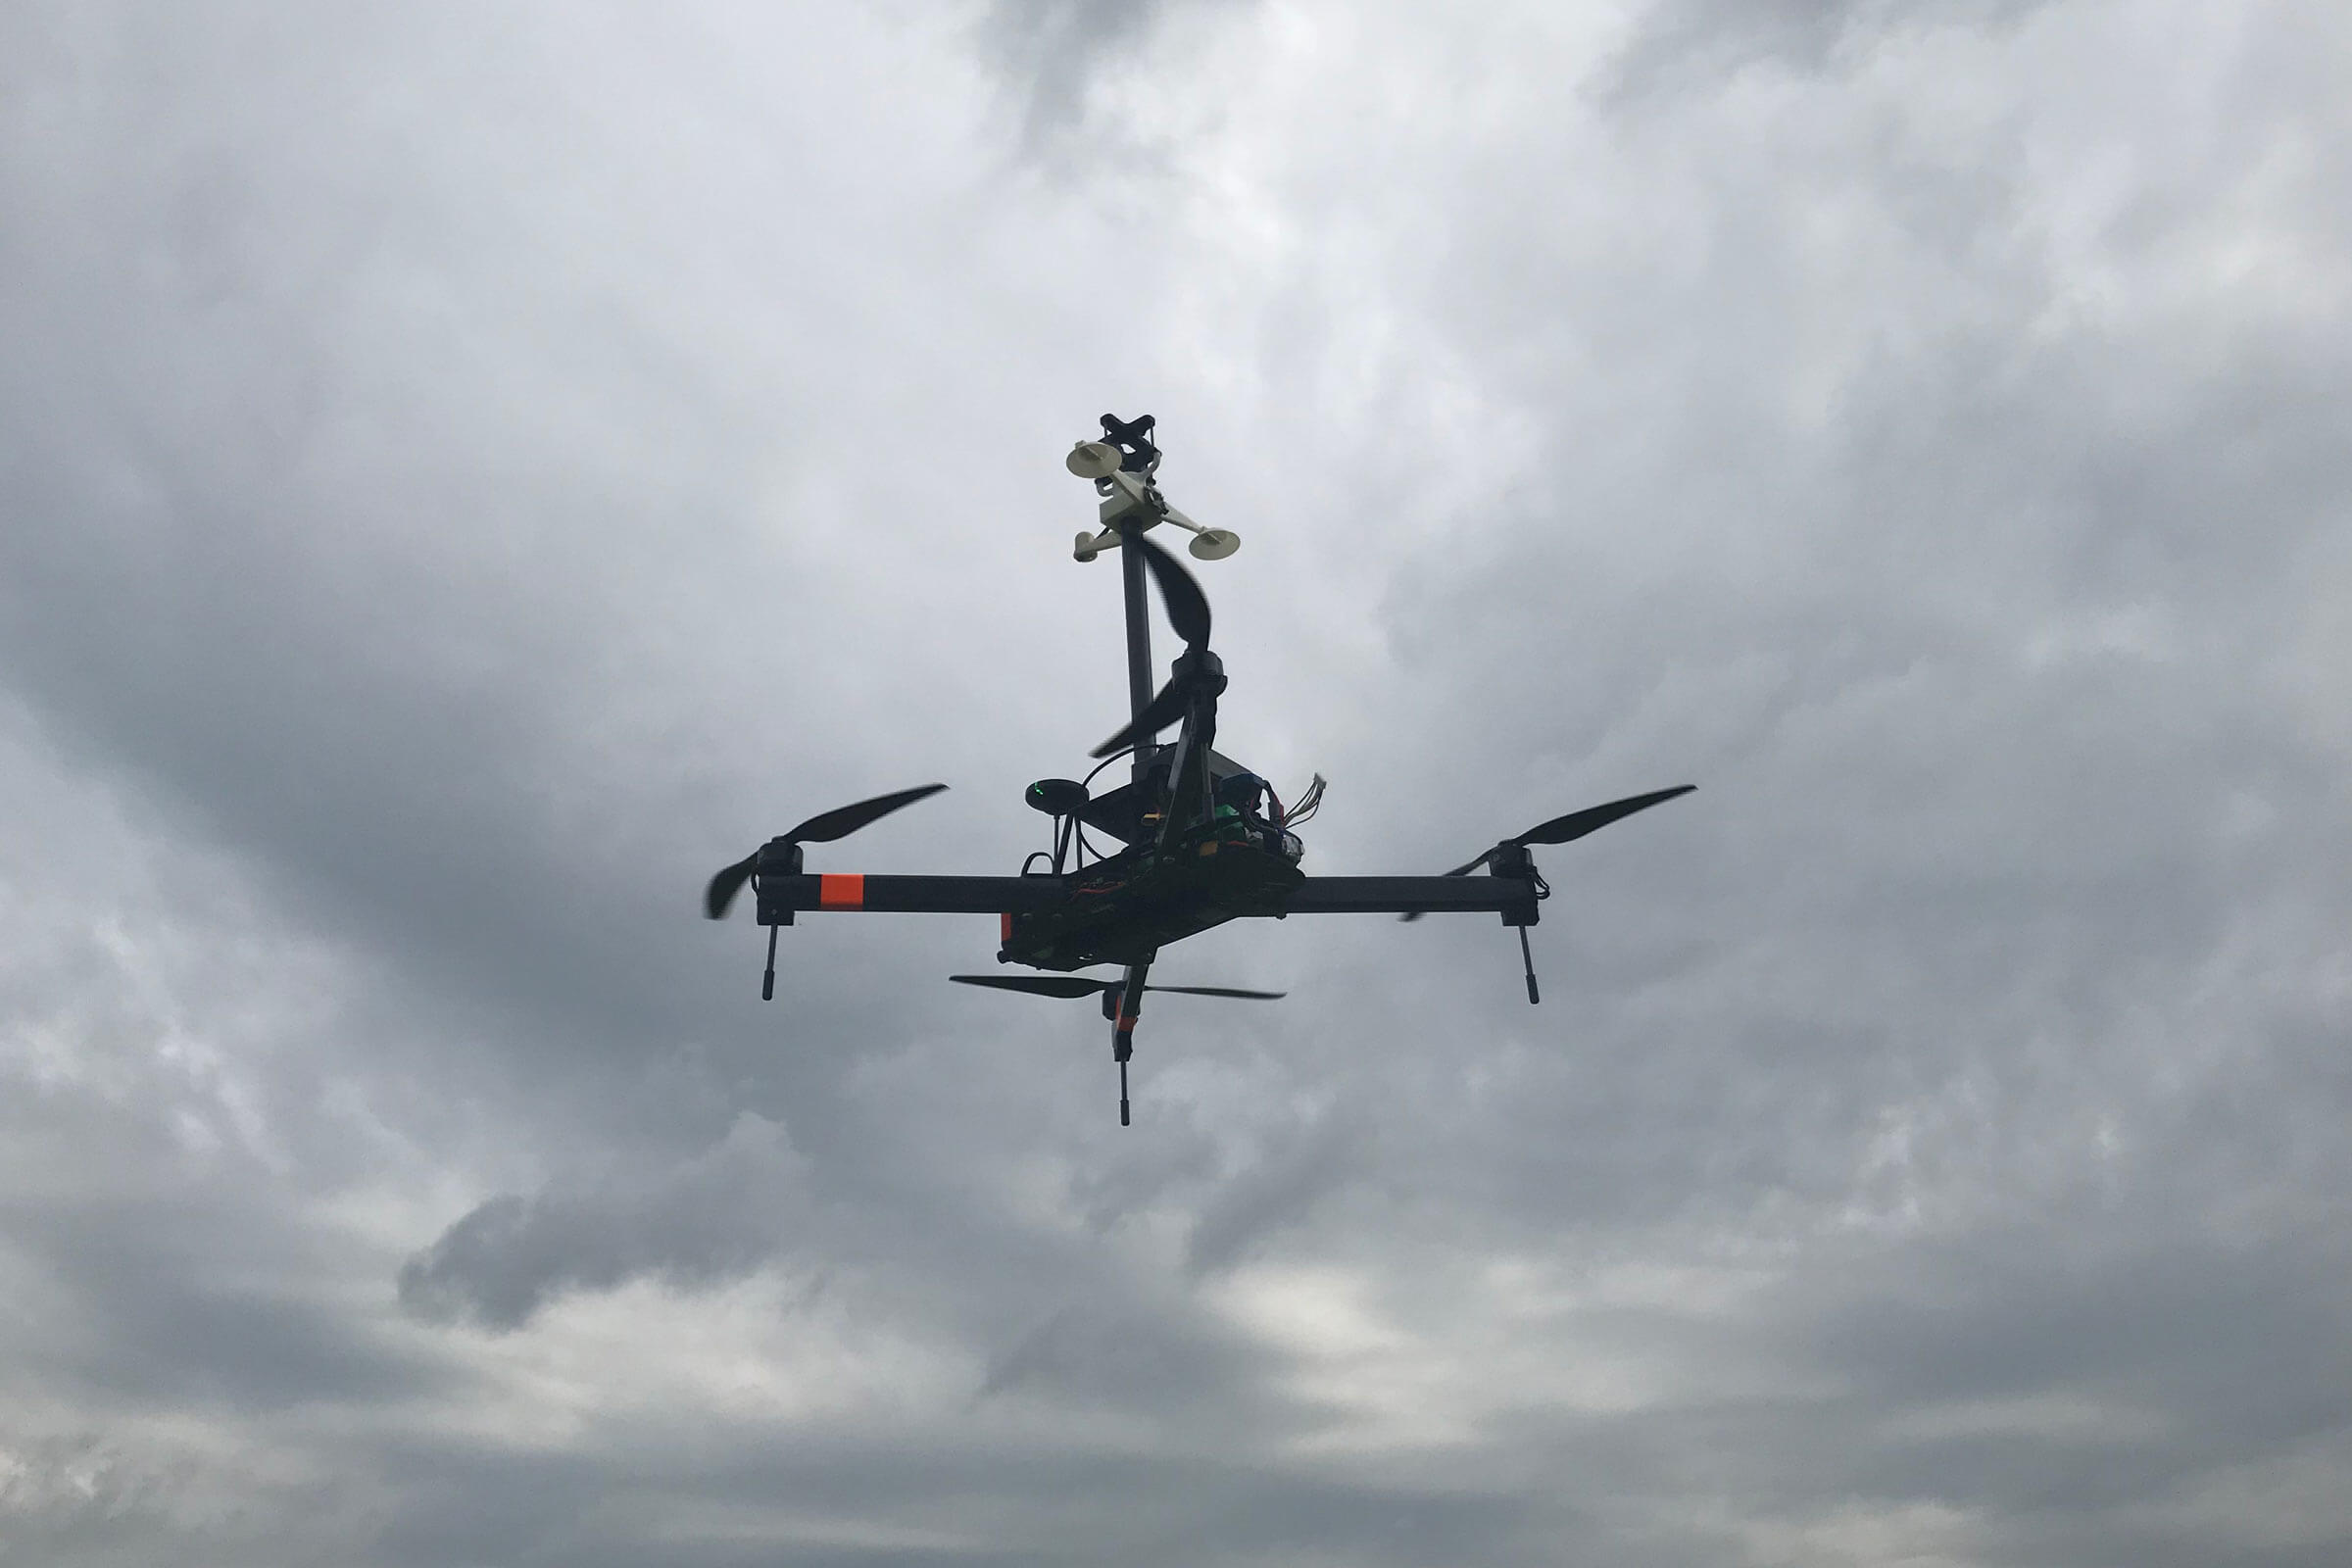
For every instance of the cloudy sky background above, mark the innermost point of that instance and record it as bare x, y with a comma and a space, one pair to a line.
468, 475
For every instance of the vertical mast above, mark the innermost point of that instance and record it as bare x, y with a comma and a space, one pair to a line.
1131, 504
1138, 649
1123, 466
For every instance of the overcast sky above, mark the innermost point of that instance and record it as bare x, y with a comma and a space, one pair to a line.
467, 474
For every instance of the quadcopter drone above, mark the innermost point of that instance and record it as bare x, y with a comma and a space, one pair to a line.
1205, 840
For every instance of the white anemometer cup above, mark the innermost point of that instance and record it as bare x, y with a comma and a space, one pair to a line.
1094, 460
1132, 496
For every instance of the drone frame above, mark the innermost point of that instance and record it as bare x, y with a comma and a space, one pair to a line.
1123, 465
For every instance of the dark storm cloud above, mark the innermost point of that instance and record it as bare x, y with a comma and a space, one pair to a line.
342, 708
718, 1217
469, 481
189, 1326
359, 619
2057, 1389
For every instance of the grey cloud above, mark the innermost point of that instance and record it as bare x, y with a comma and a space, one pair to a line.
730, 1210
1058, 51
753, 1501
183, 1328
2050, 1384
1127, 1353
1279, 1189
1694, 42
2232, 1339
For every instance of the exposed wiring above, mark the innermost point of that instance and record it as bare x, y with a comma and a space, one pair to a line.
1308, 803
1069, 830
1106, 762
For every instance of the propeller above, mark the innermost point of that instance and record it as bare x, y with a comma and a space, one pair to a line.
1575, 825
1188, 613
838, 824
1074, 985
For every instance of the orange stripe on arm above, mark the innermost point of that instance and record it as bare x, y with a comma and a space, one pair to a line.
838, 891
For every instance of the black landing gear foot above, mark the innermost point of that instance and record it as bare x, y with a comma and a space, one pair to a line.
1123, 1052
767, 981
1527, 960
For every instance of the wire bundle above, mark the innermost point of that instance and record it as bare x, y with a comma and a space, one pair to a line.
1309, 804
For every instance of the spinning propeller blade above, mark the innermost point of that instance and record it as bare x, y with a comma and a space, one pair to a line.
844, 821
1575, 825
1188, 606
1223, 991
824, 828
1075, 986
1161, 712
1464, 869
1188, 613
1038, 985
729, 882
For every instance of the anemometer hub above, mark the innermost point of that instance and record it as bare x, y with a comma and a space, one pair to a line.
1122, 468
1129, 500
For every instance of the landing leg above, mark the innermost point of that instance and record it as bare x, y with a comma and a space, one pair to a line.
1123, 1028
1529, 961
